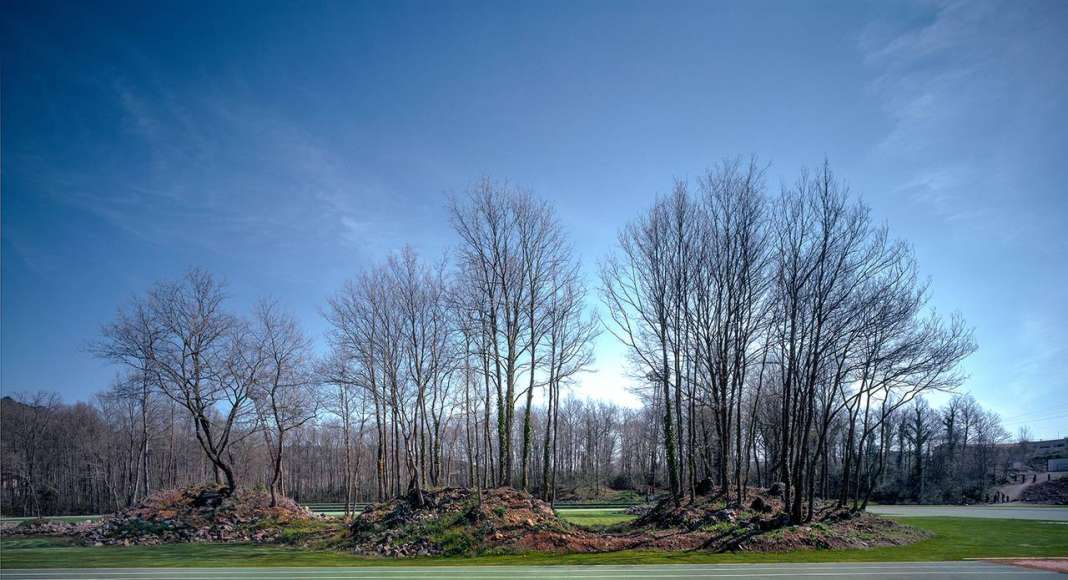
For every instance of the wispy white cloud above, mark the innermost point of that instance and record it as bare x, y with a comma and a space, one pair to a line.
218, 171
959, 89
970, 91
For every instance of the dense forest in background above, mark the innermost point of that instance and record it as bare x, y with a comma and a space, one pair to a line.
82, 458
773, 338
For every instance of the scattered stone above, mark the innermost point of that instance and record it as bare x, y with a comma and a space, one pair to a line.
638, 510
451, 521
464, 522
194, 514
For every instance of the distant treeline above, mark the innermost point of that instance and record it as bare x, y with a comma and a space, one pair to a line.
772, 338
82, 458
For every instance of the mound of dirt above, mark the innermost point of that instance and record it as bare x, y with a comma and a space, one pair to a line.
835, 530
460, 522
765, 509
199, 514
689, 516
638, 510
46, 527
1049, 492
452, 521
711, 524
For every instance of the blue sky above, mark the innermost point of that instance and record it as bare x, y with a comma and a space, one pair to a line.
284, 146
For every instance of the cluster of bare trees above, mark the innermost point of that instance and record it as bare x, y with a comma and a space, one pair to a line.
772, 338
948, 455
418, 352
234, 377
770, 317
427, 346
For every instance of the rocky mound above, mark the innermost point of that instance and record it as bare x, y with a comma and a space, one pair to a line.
687, 515
460, 522
199, 514
638, 510
452, 521
1048, 492
46, 527
765, 508
835, 530
763, 525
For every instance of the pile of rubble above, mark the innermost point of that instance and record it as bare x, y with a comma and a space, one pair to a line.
46, 527
193, 514
762, 524
467, 522
707, 510
462, 521
199, 514
686, 515
840, 529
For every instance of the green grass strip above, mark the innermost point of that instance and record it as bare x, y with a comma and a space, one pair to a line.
954, 539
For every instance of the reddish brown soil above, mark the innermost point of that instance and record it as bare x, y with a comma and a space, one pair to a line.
200, 514
453, 522
193, 514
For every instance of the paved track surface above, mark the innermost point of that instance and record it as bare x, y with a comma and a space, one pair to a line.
1015, 512
837, 571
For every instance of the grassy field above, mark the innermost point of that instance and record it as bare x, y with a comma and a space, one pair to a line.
594, 517
955, 539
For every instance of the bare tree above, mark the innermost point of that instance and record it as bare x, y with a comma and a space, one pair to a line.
132, 340
639, 285
490, 251
197, 354
570, 341
730, 301
772, 338
285, 394
511, 246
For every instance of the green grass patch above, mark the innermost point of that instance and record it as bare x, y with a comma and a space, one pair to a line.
302, 531
954, 539
594, 517
720, 528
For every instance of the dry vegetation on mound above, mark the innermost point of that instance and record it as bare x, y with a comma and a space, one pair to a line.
452, 521
193, 514
459, 521
200, 514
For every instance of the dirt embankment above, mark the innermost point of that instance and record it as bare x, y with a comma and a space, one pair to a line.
457, 521
466, 522
763, 525
461, 521
194, 514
